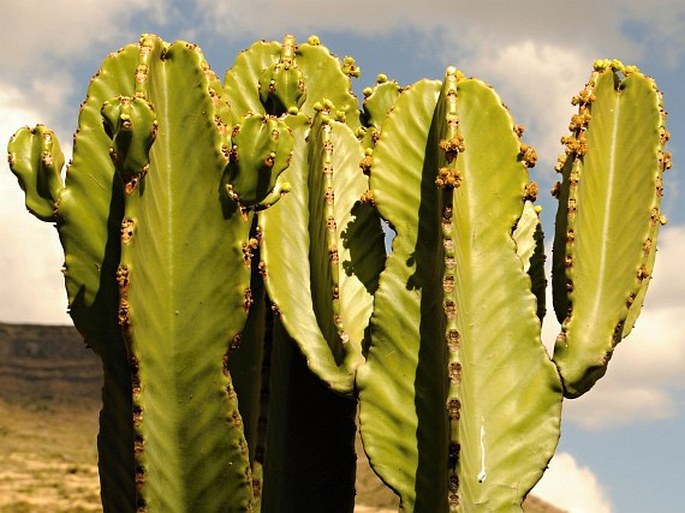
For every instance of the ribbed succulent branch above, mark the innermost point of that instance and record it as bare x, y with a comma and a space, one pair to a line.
37, 160
323, 224
179, 232
272, 78
137, 193
322, 221
132, 125
530, 247
261, 150
608, 218
249, 365
321, 251
88, 214
431, 390
378, 101
281, 85
323, 227
202, 286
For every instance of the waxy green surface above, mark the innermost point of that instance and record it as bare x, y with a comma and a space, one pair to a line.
607, 223
337, 239
179, 319
88, 214
460, 403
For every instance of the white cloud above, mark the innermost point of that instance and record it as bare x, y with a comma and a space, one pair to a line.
537, 82
571, 487
45, 42
42, 36
667, 288
50, 98
660, 25
466, 27
42, 43
611, 404
32, 287
537, 54
468, 22
647, 371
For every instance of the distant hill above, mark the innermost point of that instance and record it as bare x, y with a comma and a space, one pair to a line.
49, 402
47, 363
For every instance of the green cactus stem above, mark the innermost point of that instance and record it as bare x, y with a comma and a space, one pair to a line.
264, 144
37, 160
132, 126
608, 218
238, 325
434, 421
249, 365
281, 85
315, 222
146, 228
310, 454
320, 292
327, 318
378, 101
178, 235
319, 75
88, 214
531, 249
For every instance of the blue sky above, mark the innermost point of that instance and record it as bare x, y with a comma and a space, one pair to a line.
621, 447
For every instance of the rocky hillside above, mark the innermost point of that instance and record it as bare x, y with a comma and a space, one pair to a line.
49, 401
47, 364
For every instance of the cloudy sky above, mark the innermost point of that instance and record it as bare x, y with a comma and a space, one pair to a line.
621, 448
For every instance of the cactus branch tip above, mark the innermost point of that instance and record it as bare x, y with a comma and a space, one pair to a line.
350, 68
454, 73
613, 65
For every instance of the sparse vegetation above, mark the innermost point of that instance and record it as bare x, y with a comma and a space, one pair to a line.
48, 454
